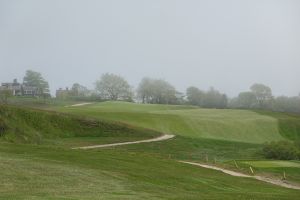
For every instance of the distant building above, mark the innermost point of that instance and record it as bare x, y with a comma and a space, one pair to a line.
19, 89
62, 94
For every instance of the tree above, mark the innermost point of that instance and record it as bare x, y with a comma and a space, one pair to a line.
246, 100
263, 94
35, 79
157, 91
214, 99
78, 90
287, 104
145, 90
114, 87
195, 96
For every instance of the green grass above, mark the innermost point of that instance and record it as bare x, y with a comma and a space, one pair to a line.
39, 102
187, 121
23, 125
37, 172
223, 135
197, 149
288, 124
272, 163
51, 170
270, 168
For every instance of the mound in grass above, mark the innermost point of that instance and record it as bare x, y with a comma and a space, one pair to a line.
189, 121
25, 125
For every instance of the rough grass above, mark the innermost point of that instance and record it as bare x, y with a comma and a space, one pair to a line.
141, 171
37, 172
25, 125
231, 125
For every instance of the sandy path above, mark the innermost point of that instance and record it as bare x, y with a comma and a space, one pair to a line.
79, 104
160, 138
233, 173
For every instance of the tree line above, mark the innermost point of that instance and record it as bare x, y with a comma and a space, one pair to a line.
158, 91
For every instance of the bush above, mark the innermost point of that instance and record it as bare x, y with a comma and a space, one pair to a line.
282, 150
3, 127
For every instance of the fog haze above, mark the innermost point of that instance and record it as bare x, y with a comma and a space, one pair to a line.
226, 44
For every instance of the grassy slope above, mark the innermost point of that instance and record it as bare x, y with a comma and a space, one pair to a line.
288, 124
232, 125
199, 131
33, 126
128, 172
37, 172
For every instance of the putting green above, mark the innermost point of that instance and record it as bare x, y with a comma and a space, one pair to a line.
272, 164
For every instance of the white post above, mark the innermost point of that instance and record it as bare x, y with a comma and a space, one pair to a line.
236, 165
251, 170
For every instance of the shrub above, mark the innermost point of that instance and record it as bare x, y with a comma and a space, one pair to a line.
282, 150
3, 127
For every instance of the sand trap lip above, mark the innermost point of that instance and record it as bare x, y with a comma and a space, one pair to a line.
238, 174
79, 104
160, 138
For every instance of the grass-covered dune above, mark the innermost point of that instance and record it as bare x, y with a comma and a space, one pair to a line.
24, 125
188, 121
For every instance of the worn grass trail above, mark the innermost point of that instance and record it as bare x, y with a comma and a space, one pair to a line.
157, 139
278, 182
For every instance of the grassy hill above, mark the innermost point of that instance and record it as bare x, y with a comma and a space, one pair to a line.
24, 125
51, 170
231, 125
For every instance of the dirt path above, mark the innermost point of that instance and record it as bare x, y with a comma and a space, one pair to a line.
79, 104
160, 138
233, 173
226, 171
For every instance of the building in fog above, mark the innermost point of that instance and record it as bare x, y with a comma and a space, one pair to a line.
18, 89
62, 93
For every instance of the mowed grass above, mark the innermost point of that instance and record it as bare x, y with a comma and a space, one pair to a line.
38, 172
270, 168
188, 121
273, 163
141, 171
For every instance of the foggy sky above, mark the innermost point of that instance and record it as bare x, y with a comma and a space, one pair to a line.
228, 44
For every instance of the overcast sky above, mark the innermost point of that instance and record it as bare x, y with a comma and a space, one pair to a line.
228, 44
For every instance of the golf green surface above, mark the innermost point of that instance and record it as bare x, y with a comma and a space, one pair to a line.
273, 164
